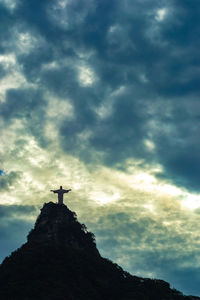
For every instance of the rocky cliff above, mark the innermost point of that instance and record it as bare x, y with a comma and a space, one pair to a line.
60, 261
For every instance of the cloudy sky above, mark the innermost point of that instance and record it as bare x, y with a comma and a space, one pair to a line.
103, 97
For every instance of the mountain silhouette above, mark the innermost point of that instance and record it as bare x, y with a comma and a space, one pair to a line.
60, 261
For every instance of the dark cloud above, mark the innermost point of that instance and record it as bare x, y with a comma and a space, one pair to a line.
122, 141
33, 61
178, 147
62, 81
2, 71
126, 45
184, 28
9, 211
7, 180
20, 103
28, 105
16, 221
5, 29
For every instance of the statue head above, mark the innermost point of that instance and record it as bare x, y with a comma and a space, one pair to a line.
61, 187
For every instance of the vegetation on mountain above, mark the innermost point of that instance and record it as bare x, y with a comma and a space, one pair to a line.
60, 261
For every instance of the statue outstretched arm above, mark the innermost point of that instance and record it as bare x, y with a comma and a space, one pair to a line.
55, 191
67, 191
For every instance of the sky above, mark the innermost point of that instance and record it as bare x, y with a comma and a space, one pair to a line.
103, 97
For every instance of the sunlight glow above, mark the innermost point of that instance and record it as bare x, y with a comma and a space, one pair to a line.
143, 180
8, 199
104, 198
150, 207
147, 182
36, 156
191, 201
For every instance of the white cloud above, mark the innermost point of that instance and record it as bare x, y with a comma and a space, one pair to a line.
63, 3
149, 145
103, 196
161, 14
26, 42
105, 109
190, 201
56, 111
8, 60
13, 78
86, 76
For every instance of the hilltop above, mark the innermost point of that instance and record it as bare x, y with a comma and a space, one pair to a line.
60, 260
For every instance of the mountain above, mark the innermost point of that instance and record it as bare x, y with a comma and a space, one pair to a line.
60, 261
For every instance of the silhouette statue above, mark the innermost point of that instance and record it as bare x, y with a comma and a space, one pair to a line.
60, 193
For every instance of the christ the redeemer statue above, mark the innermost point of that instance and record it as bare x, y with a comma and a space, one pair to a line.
60, 193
